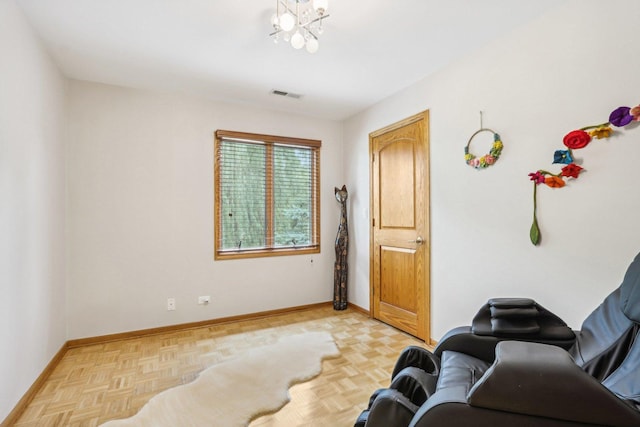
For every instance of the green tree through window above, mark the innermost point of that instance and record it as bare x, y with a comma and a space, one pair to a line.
266, 195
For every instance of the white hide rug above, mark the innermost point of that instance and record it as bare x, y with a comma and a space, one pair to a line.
236, 391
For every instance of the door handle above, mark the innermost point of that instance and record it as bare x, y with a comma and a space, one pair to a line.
419, 240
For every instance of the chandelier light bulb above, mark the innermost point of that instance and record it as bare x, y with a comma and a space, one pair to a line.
297, 40
299, 23
287, 22
312, 45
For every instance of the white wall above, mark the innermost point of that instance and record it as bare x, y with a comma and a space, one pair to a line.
140, 190
32, 199
140, 214
568, 69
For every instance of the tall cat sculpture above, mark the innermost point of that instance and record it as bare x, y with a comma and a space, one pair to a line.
341, 269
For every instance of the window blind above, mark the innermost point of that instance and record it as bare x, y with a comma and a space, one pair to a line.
266, 193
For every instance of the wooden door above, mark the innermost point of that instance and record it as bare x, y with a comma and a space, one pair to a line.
400, 238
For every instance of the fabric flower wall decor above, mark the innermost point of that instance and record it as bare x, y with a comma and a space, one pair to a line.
575, 140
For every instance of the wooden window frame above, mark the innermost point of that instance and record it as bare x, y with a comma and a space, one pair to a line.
269, 141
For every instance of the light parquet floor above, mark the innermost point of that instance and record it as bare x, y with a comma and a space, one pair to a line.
97, 383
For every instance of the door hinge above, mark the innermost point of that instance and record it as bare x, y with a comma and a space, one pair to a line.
374, 222
373, 157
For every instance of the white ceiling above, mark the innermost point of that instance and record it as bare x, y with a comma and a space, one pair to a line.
220, 49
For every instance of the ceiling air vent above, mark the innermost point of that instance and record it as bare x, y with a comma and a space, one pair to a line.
287, 94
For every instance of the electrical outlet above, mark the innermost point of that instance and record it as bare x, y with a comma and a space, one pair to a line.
171, 304
204, 299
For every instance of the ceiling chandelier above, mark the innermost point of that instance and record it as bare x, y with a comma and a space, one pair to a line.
299, 22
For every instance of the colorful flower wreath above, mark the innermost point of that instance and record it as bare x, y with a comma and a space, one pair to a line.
575, 140
488, 159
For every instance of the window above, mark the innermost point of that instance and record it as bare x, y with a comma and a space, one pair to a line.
266, 195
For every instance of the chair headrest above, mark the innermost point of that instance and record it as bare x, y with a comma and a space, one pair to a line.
630, 291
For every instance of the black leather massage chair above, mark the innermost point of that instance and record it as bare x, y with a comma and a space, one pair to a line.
520, 365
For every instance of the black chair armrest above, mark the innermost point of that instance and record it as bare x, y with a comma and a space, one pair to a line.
415, 384
391, 409
410, 388
543, 380
483, 347
462, 340
418, 357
